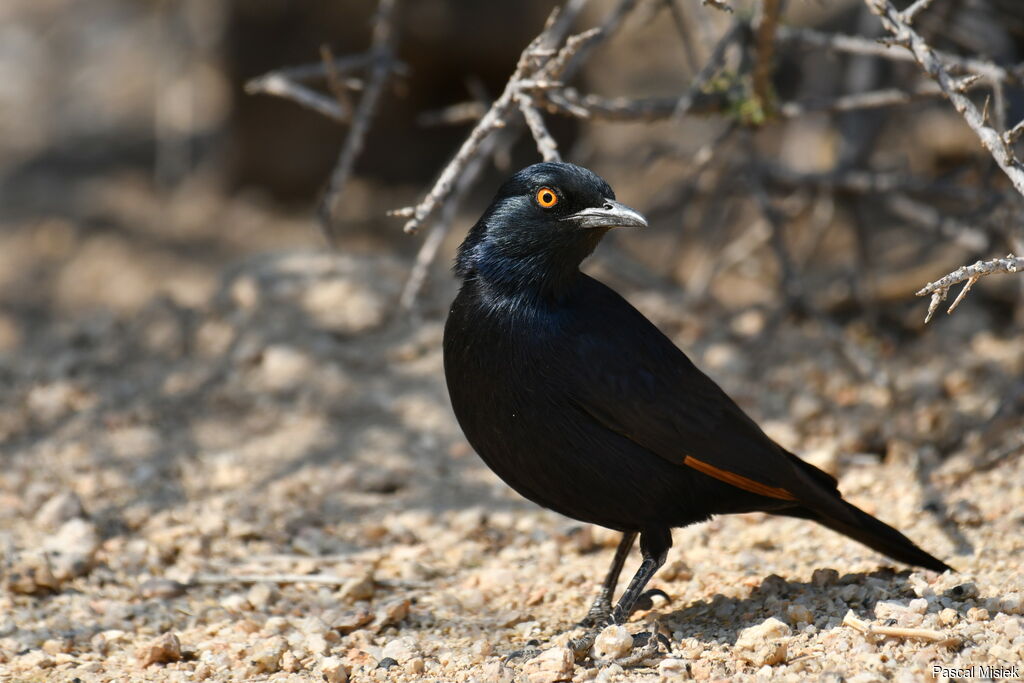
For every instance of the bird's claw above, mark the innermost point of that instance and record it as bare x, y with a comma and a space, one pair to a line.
646, 602
581, 646
645, 645
522, 655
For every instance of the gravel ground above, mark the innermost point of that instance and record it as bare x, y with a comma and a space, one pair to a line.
270, 486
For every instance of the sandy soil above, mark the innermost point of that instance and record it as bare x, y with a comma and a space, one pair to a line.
269, 485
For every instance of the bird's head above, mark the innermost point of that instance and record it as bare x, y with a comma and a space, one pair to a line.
542, 223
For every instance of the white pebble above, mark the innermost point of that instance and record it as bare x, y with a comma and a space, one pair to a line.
613, 642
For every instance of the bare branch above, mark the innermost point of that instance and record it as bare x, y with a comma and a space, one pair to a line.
939, 289
335, 84
439, 230
707, 72
865, 46
1011, 136
546, 144
569, 102
767, 25
494, 118
275, 84
539, 68
383, 31
929, 217
929, 61
919, 6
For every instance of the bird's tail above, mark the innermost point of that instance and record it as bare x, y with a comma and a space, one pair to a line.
875, 534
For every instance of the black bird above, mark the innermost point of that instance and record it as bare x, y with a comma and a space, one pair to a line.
582, 405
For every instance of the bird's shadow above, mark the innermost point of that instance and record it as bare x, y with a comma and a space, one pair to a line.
720, 618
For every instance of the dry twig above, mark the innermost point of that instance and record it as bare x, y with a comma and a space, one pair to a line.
859, 45
276, 84
898, 25
767, 25
895, 631
940, 288
381, 49
539, 68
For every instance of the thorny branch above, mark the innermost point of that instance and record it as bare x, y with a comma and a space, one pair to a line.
381, 49
940, 288
899, 25
540, 84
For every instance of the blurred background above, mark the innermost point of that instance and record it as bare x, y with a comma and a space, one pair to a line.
186, 365
134, 163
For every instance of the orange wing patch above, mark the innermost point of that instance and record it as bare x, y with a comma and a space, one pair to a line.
738, 480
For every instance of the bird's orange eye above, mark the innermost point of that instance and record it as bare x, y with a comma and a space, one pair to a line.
546, 197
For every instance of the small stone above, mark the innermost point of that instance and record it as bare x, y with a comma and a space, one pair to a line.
918, 606
401, 649
161, 650
965, 591
316, 644
824, 577
613, 643
333, 671
608, 674
58, 509
773, 584
765, 643
358, 588
290, 662
496, 672
392, 613
976, 614
55, 646
550, 666
266, 656
799, 614
674, 669
162, 589
387, 663
351, 621
414, 665
33, 661
235, 603
262, 595
29, 573
948, 616
72, 549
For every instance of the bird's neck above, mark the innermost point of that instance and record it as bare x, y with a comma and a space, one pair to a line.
528, 273
526, 281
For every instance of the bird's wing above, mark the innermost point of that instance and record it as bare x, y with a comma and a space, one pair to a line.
632, 379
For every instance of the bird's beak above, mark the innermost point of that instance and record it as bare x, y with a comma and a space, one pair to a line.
611, 214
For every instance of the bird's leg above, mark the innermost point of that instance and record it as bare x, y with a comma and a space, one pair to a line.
601, 610
654, 546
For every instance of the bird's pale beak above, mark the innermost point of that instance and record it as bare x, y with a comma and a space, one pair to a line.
611, 214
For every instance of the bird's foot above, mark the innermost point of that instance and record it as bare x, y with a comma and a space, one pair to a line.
645, 645
523, 655
646, 599
581, 646
600, 613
